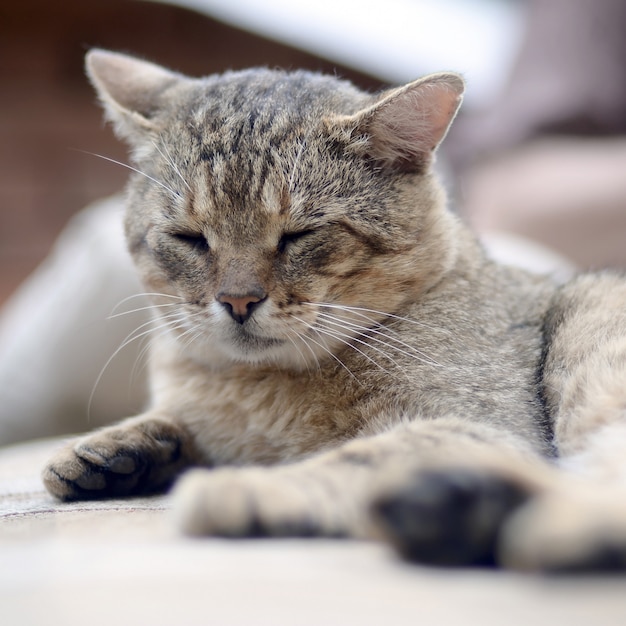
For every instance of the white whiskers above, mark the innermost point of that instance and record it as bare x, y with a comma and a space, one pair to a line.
145, 294
324, 347
389, 338
303, 340
365, 332
360, 311
292, 176
171, 191
171, 321
370, 338
168, 157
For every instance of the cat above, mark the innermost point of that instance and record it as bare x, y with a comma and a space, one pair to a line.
333, 353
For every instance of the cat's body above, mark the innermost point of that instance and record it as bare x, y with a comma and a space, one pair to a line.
321, 312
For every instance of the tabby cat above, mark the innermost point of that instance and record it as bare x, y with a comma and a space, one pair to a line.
332, 349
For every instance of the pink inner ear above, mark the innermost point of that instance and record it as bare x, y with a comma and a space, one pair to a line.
412, 121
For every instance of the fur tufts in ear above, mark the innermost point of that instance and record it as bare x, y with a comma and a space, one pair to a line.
407, 124
130, 90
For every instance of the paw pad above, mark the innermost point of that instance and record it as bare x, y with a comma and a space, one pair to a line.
449, 518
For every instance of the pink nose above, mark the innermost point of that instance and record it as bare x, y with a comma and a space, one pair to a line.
240, 308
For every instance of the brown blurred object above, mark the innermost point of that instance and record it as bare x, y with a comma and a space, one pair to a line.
48, 112
547, 160
568, 193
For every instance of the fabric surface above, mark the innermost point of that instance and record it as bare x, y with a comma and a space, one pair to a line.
121, 562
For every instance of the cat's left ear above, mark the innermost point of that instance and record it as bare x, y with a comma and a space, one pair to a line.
406, 125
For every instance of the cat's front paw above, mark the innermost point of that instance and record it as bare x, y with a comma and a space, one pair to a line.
577, 531
135, 458
449, 517
247, 502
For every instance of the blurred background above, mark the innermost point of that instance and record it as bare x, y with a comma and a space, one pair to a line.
536, 160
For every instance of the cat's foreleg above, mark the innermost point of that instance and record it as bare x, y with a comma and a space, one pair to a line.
141, 455
581, 525
440, 489
584, 374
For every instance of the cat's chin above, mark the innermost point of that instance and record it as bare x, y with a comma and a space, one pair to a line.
274, 352
244, 349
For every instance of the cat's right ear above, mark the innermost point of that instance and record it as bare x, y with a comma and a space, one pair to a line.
131, 91
404, 127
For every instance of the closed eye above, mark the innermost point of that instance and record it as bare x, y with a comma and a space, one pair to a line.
288, 238
196, 241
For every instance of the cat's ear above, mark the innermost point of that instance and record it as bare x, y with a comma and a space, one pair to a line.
407, 124
131, 91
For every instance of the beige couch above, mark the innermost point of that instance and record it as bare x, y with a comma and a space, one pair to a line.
121, 562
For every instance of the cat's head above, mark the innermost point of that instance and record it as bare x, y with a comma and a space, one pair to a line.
286, 213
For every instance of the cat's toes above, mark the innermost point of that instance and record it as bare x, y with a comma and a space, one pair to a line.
118, 461
567, 533
448, 517
244, 503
